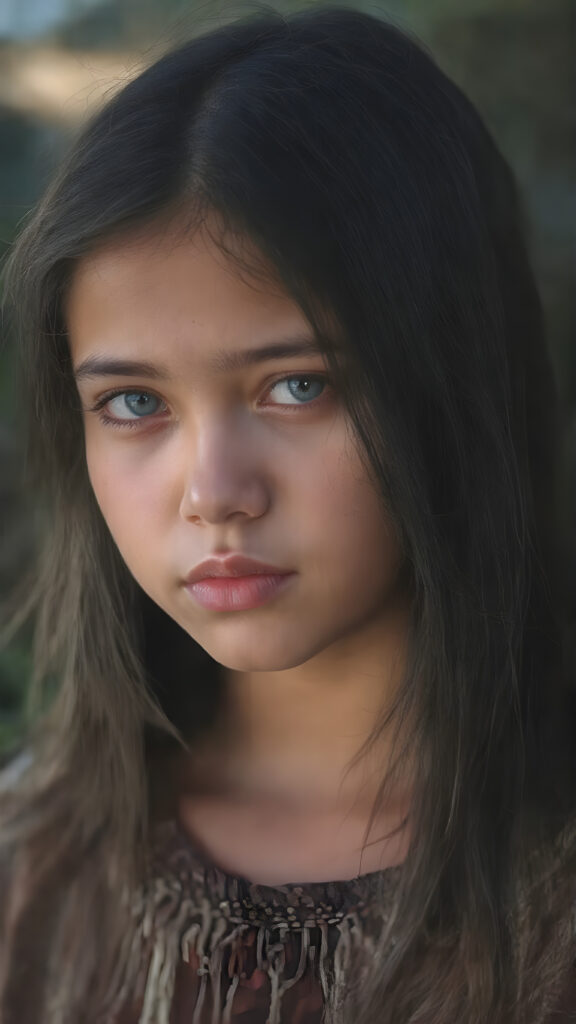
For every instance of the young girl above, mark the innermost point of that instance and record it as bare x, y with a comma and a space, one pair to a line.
300, 604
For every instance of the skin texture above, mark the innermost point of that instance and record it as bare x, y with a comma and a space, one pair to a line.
234, 461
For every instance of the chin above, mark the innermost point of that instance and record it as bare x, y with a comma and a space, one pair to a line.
257, 657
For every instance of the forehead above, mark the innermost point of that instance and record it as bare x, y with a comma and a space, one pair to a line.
160, 290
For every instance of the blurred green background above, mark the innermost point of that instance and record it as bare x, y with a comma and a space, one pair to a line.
59, 59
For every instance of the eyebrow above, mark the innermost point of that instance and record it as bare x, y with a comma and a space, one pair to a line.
222, 360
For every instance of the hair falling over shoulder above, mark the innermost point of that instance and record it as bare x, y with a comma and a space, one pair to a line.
322, 137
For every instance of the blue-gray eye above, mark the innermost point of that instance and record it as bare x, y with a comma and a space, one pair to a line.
303, 389
139, 403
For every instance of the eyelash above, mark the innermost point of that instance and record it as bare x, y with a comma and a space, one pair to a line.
135, 423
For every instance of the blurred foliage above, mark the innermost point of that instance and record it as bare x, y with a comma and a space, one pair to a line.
513, 58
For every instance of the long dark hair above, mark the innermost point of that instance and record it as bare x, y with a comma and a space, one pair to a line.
371, 187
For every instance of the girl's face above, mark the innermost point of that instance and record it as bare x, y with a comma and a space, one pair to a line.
211, 430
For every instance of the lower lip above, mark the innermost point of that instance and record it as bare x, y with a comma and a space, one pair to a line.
238, 593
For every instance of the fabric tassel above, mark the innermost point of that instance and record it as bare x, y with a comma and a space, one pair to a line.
322, 960
196, 1019
216, 969
159, 991
227, 1015
151, 993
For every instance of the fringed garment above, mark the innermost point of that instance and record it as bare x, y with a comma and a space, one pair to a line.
226, 951
210, 948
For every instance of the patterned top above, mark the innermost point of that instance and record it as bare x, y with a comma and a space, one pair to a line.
219, 949
228, 951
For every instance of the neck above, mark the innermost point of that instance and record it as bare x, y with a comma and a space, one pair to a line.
289, 736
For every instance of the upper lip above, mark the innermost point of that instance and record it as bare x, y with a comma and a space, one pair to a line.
233, 565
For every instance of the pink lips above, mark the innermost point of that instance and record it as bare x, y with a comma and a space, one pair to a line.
235, 583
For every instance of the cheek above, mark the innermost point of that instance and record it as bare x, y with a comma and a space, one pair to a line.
127, 490
111, 488
351, 517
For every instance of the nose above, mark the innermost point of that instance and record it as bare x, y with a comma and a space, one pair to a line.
225, 477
